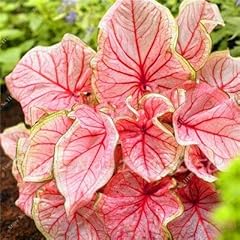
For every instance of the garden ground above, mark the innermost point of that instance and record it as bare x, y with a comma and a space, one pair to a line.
14, 224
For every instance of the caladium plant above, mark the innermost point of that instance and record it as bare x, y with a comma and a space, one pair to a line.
126, 142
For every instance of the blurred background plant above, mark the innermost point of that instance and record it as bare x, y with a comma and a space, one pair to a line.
27, 23
227, 215
228, 36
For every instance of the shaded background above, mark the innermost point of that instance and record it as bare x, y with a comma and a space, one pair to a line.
27, 23
14, 224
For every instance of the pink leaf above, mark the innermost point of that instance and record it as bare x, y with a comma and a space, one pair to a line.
197, 18
84, 158
199, 164
135, 209
21, 149
10, 137
127, 64
51, 219
222, 71
212, 121
149, 147
177, 95
52, 78
27, 192
155, 105
199, 199
38, 160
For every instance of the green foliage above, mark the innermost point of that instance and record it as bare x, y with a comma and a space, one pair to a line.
228, 213
173, 5
228, 36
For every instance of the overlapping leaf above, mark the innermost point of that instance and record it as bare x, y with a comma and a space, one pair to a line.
38, 160
10, 137
212, 121
199, 164
135, 209
126, 64
14, 141
177, 95
154, 106
51, 219
149, 147
197, 18
84, 158
222, 71
21, 149
51, 78
199, 199
27, 190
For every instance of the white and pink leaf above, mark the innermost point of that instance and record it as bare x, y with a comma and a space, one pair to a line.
149, 147
84, 158
199, 199
38, 160
210, 120
199, 164
10, 136
126, 64
196, 19
51, 218
134, 209
52, 78
223, 71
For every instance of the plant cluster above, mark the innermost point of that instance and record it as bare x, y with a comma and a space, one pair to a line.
126, 142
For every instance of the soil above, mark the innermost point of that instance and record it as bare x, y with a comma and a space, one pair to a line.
14, 224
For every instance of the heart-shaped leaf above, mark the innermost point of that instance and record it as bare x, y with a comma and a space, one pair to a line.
38, 160
149, 147
27, 190
210, 120
196, 19
84, 158
222, 71
126, 64
51, 219
52, 78
199, 199
135, 209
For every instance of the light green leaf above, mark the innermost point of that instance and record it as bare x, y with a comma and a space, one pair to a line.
10, 55
25, 46
11, 34
35, 22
